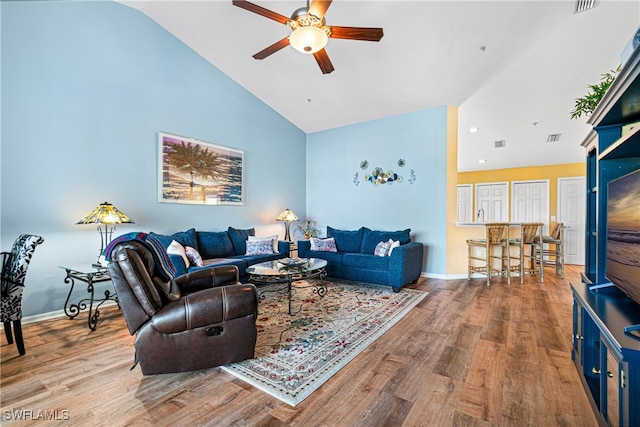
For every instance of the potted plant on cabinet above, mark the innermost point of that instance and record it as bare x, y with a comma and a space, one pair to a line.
588, 103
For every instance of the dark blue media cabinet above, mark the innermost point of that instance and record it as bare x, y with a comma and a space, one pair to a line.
608, 358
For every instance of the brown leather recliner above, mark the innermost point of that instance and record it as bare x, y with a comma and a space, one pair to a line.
196, 321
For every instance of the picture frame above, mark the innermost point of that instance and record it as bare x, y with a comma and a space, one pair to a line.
195, 172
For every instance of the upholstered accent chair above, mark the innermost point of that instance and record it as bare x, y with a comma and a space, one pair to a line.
195, 321
14, 271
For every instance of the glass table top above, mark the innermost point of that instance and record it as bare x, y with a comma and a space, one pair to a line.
285, 266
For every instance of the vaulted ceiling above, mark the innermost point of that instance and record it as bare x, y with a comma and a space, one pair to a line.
513, 68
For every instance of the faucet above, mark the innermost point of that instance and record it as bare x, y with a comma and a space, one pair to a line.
480, 211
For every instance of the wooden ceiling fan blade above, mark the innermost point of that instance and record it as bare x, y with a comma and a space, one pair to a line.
261, 11
357, 33
272, 49
319, 7
322, 58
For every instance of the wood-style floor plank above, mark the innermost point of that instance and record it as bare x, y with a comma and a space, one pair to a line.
467, 355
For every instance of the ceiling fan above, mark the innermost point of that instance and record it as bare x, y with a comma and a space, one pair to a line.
309, 33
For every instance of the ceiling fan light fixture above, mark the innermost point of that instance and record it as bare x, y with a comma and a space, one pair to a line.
308, 39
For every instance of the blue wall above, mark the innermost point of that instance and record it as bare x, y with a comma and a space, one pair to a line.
86, 86
333, 160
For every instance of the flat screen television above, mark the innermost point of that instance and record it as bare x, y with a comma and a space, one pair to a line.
623, 234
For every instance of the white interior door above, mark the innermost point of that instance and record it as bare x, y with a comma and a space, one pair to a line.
531, 202
571, 212
492, 201
465, 203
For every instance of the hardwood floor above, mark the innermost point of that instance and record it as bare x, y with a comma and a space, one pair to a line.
467, 355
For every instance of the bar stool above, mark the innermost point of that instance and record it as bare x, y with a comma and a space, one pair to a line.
529, 253
554, 255
496, 236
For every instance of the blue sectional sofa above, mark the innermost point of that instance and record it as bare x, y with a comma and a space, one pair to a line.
219, 248
354, 258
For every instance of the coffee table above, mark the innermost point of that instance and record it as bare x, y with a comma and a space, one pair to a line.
288, 270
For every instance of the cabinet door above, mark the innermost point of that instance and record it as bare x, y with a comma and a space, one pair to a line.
492, 201
465, 203
615, 411
577, 352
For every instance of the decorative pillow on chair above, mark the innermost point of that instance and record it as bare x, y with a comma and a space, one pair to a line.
194, 256
273, 239
259, 247
176, 248
323, 245
382, 249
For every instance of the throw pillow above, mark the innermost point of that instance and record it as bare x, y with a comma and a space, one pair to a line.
214, 244
176, 248
393, 244
273, 239
259, 247
194, 256
187, 238
323, 245
239, 239
382, 249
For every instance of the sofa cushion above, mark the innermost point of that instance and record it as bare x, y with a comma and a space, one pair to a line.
213, 244
256, 259
332, 257
346, 240
372, 237
187, 238
164, 239
365, 261
239, 239
215, 262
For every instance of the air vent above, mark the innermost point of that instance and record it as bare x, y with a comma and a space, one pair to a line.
582, 5
554, 137
500, 144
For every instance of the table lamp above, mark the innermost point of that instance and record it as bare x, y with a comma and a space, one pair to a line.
107, 214
287, 216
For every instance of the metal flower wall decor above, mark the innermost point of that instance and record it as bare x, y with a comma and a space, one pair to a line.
379, 176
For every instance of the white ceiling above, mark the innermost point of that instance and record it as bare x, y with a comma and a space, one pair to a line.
513, 68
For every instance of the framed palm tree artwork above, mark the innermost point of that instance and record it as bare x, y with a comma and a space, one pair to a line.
196, 172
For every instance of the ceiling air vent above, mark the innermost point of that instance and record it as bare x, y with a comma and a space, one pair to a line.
554, 137
500, 144
582, 5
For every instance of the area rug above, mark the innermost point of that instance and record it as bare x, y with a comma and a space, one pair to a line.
295, 354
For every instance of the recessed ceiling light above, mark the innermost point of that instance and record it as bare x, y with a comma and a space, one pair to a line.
474, 129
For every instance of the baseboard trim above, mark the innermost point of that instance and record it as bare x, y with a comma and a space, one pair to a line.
53, 315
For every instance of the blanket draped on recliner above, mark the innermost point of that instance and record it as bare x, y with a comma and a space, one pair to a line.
163, 264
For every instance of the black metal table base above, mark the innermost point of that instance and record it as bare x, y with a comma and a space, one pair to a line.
287, 280
74, 309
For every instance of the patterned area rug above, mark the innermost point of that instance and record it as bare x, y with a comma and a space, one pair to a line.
295, 354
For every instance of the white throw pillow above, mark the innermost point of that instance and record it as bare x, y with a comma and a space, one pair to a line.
274, 241
176, 248
394, 244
